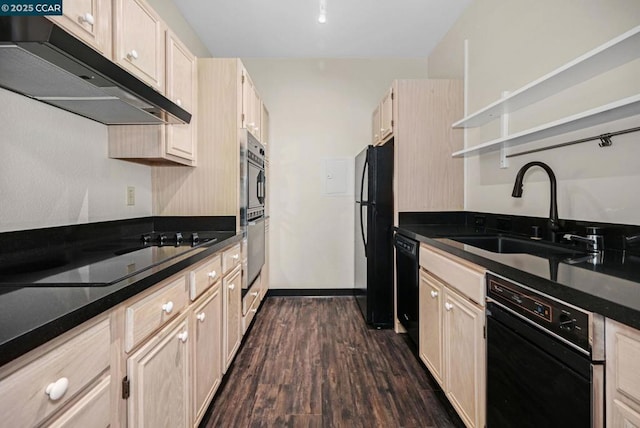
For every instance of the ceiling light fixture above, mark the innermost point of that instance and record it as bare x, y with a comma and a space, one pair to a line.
322, 18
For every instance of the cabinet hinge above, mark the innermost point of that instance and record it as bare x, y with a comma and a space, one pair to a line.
484, 331
242, 118
125, 387
242, 79
392, 95
391, 123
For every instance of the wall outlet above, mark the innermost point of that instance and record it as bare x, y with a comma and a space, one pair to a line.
131, 195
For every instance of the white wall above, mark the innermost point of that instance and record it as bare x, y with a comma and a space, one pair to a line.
54, 169
319, 109
512, 43
170, 14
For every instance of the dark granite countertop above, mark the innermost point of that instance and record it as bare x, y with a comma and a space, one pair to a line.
611, 289
32, 315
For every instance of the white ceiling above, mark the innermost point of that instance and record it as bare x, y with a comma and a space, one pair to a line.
290, 28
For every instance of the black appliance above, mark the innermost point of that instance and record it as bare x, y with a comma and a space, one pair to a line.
373, 234
99, 262
407, 283
42, 61
545, 360
252, 212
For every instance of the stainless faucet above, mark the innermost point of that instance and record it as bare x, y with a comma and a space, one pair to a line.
594, 240
553, 206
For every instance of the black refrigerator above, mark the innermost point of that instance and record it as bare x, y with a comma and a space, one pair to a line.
373, 234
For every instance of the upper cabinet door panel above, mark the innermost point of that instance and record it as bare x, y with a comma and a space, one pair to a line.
139, 41
386, 114
181, 89
89, 21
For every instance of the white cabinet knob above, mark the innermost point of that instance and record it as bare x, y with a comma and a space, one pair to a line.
235, 257
201, 316
133, 54
179, 102
434, 294
167, 307
87, 18
183, 336
253, 310
256, 129
382, 130
232, 286
254, 294
212, 274
56, 390
448, 306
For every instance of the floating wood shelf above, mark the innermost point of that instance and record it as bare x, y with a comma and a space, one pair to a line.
608, 56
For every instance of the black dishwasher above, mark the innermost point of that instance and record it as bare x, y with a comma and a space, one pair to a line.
545, 360
407, 265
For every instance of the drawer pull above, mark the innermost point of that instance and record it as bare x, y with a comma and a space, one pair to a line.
254, 310
201, 316
254, 294
56, 390
434, 294
448, 306
87, 18
212, 274
235, 256
183, 336
167, 307
232, 286
133, 54
179, 102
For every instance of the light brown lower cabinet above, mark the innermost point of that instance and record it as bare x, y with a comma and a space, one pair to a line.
623, 375
159, 379
206, 321
451, 324
232, 315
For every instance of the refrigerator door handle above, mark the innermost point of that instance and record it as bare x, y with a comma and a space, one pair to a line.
363, 203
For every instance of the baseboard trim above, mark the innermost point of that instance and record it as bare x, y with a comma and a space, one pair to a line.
311, 292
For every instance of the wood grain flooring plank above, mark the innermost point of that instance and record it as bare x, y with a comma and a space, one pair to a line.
312, 362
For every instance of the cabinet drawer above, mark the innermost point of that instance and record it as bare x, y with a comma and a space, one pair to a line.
230, 258
253, 294
250, 314
93, 410
460, 274
204, 276
150, 313
79, 360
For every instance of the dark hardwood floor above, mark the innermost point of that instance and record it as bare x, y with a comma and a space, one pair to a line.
312, 362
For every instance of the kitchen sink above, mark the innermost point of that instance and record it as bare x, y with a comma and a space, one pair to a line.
512, 245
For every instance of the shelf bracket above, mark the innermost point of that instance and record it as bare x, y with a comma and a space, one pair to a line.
504, 131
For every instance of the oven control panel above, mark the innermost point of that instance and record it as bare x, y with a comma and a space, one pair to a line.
568, 322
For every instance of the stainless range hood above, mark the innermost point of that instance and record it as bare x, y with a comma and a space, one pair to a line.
42, 61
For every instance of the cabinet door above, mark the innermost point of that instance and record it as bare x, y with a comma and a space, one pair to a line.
430, 321
139, 41
623, 375
207, 344
376, 130
464, 357
159, 376
89, 21
264, 126
232, 313
386, 115
181, 84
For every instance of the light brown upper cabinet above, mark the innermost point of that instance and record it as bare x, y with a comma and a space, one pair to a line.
382, 119
375, 127
164, 144
139, 41
181, 89
264, 123
89, 21
251, 106
386, 115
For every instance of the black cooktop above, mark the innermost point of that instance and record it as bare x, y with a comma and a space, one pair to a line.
99, 263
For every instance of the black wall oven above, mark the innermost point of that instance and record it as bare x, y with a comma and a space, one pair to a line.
545, 360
